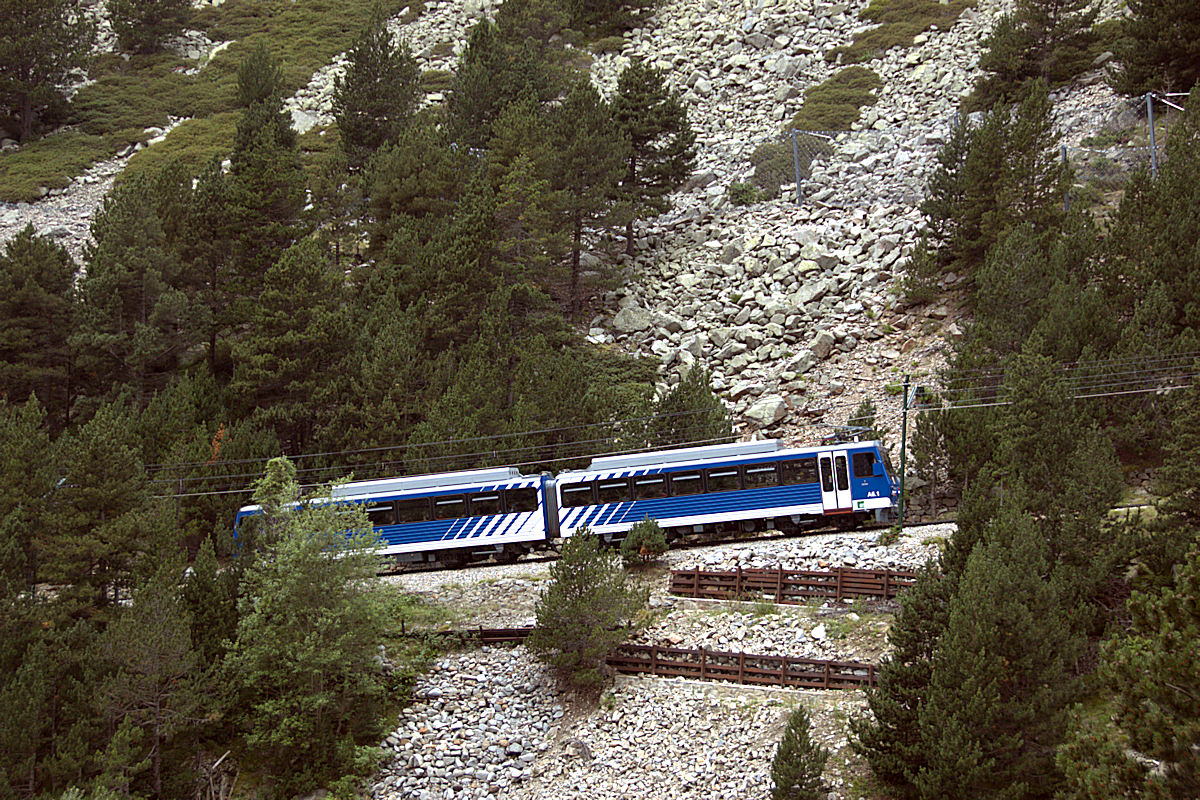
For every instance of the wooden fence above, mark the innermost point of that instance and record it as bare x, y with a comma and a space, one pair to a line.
745, 668
789, 585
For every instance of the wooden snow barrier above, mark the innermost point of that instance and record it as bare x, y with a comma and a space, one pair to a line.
744, 668
790, 585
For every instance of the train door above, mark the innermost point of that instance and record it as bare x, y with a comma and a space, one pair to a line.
835, 480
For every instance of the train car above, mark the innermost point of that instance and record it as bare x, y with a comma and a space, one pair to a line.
452, 516
742, 486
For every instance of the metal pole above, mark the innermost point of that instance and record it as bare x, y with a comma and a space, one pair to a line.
1153, 143
903, 452
1067, 198
796, 165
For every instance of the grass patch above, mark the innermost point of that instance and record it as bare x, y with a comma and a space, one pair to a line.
834, 105
900, 22
144, 91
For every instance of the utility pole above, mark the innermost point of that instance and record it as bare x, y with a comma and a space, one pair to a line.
903, 451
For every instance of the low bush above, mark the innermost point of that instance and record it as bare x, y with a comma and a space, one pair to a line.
834, 104
900, 22
609, 44
436, 80
744, 194
645, 541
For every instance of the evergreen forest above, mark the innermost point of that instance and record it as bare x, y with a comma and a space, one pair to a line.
413, 295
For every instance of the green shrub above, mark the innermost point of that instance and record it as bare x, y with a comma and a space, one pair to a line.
581, 613
744, 194
436, 80
609, 44
900, 21
834, 105
645, 542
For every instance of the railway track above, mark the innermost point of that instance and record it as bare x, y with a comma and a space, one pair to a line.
547, 557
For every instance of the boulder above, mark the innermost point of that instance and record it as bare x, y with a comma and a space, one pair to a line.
767, 411
631, 319
821, 345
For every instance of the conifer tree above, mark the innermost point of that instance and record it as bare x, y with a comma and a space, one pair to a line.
581, 611
143, 26
36, 317
996, 708
928, 448
1049, 40
152, 679
378, 93
1160, 49
661, 150
40, 45
136, 322
100, 522
27, 479
689, 413
207, 248
301, 672
799, 761
286, 364
591, 158
1154, 673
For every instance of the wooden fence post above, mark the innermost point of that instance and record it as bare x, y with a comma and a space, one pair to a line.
838, 597
654, 660
742, 667
783, 671
779, 584
886, 574
826, 675
696, 581
737, 582
702, 659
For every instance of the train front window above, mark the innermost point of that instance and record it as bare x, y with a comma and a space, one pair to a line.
650, 487
519, 501
380, 514
413, 510
798, 472
614, 491
686, 483
576, 495
723, 480
485, 505
863, 465
760, 475
449, 507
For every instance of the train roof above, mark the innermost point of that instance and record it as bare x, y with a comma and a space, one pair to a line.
731, 450
441, 479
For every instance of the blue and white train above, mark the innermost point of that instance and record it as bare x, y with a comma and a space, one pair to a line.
746, 486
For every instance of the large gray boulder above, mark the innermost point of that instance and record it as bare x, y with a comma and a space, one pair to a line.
767, 411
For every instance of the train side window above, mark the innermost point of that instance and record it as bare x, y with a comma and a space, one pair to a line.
413, 510
723, 480
826, 475
686, 483
649, 487
449, 507
616, 491
380, 513
485, 505
519, 501
839, 468
760, 475
577, 494
800, 471
863, 464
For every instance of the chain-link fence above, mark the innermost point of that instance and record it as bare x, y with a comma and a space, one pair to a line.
1104, 145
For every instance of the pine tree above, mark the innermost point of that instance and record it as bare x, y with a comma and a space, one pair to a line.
799, 761
40, 45
1154, 673
581, 611
889, 738
1049, 40
285, 365
591, 158
661, 150
36, 317
689, 413
928, 448
136, 322
153, 670
1160, 49
378, 93
99, 514
206, 248
997, 698
27, 479
143, 26
301, 672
